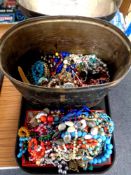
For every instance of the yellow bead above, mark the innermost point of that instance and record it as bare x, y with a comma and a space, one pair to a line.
56, 54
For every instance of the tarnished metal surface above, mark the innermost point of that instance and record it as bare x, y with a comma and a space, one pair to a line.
75, 35
87, 8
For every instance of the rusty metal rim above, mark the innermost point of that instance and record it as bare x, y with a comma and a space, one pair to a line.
40, 14
94, 21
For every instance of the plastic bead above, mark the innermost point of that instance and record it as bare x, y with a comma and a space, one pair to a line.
43, 119
95, 161
61, 127
99, 161
62, 135
69, 123
84, 134
56, 119
20, 144
56, 54
108, 141
91, 161
79, 133
103, 159
50, 119
73, 134
107, 155
71, 129
90, 168
110, 146
103, 138
109, 151
85, 159
67, 138
88, 136
94, 131
59, 68
19, 155
95, 136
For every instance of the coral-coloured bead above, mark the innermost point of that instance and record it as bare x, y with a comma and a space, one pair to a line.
67, 146
105, 129
86, 128
71, 147
83, 146
79, 141
52, 73
48, 143
50, 119
43, 119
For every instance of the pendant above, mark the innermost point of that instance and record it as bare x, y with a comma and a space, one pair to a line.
73, 166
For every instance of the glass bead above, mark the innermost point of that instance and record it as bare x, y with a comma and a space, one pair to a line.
107, 155
99, 161
103, 159
20, 144
103, 138
109, 151
73, 134
84, 133
79, 133
110, 146
90, 168
95, 161
108, 141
